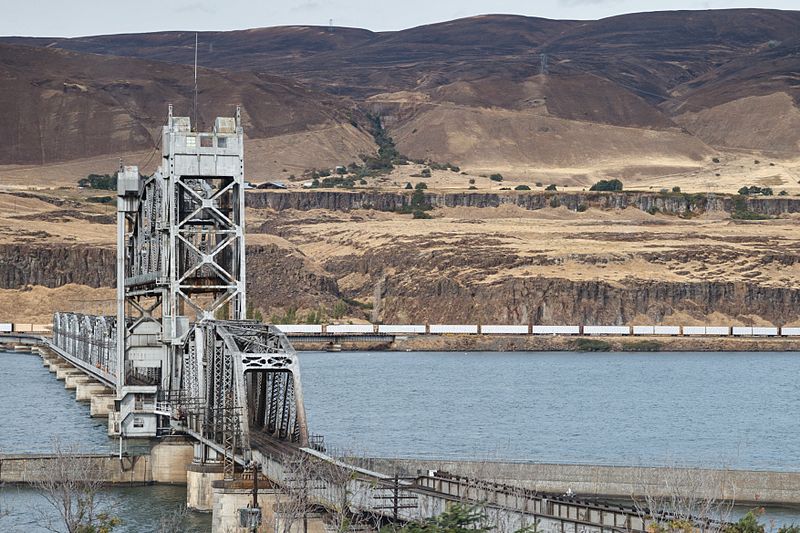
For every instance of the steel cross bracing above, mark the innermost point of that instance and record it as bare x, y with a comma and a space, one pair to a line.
185, 357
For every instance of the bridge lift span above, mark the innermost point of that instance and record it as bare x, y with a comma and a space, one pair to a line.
187, 359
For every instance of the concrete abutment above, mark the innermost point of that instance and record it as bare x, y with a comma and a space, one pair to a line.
199, 479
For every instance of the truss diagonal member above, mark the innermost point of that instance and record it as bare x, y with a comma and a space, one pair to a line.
208, 259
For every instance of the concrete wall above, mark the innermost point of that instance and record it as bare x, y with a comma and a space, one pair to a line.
111, 469
167, 463
170, 460
745, 486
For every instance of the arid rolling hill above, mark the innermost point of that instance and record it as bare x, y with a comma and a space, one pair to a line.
59, 105
659, 90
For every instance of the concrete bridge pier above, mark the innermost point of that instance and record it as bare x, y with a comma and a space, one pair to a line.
84, 392
102, 404
71, 381
206, 468
230, 496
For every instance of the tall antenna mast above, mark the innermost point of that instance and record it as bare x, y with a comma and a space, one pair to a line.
194, 104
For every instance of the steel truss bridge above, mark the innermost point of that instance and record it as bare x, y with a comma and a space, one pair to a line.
183, 358
180, 353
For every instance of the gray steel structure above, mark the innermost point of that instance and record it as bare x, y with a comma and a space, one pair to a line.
184, 357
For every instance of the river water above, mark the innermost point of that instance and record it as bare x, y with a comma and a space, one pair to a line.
736, 410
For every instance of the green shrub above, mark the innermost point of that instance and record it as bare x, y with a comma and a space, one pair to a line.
253, 314
522, 188
591, 345
496, 177
425, 173
419, 186
715, 159
538, 183
100, 199
555, 202
607, 185
749, 215
642, 346
741, 212
106, 182
676, 189
419, 213
581, 208
783, 193
755, 189
343, 182
472, 181
747, 524
408, 185
315, 317
551, 187
473, 188
288, 317
339, 309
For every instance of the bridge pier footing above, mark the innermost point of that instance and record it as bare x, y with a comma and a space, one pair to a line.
199, 478
230, 496
71, 381
84, 392
101, 405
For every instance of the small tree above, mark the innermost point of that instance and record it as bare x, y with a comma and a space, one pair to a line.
408, 186
419, 186
747, 524
174, 522
607, 185
339, 309
551, 187
71, 483
496, 177
522, 188
253, 313
683, 497
676, 189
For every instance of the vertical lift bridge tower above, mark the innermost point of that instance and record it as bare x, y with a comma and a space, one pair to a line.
188, 360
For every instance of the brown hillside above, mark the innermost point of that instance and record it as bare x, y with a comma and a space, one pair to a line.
60, 105
655, 72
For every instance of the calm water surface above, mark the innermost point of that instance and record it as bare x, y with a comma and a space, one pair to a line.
712, 409
35, 408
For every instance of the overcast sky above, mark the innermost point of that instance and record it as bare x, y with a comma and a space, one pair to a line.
93, 17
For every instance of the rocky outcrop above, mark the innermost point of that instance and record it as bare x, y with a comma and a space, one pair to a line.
53, 266
562, 301
668, 203
276, 276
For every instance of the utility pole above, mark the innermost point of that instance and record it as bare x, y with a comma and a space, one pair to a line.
194, 103
255, 493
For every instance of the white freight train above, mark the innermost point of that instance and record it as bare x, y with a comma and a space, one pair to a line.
521, 329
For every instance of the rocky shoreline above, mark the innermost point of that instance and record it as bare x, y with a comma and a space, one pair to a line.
527, 343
